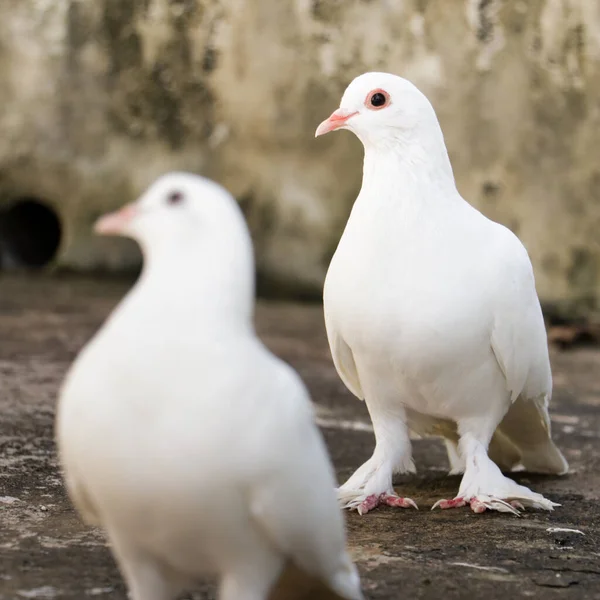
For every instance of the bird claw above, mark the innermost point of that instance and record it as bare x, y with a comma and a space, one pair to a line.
477, 506
480, 504
397, 501
454, 503
392, 500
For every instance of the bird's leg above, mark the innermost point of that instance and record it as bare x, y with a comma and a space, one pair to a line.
457, 462
483, 485
371, 485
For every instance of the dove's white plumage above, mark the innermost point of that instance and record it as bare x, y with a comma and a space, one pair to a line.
432, 313
180, 434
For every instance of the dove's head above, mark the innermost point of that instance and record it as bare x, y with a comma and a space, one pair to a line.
380, 109
194, 238
177, 207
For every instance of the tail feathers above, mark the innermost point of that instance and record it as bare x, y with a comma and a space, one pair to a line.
544, 458
526, 426
503, 452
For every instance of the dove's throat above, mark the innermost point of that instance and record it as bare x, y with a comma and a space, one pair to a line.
416, 169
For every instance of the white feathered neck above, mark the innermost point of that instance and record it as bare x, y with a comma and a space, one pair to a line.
205, 274
406, 161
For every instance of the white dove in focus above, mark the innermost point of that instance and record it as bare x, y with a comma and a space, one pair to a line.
181, 435
432, 314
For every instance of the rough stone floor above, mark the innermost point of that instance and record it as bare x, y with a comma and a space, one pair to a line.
45, 552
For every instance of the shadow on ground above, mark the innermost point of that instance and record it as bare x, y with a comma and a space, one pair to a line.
45, 552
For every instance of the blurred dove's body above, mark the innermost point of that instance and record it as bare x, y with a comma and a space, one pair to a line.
181, 435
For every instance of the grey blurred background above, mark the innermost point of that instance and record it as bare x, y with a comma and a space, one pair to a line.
99, 97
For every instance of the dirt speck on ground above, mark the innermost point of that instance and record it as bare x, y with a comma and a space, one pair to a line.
46, 552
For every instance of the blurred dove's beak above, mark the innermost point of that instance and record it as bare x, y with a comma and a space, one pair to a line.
337, 119
115, 222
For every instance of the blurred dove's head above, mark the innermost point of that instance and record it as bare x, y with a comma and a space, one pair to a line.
176, 207
193, 236
380, 109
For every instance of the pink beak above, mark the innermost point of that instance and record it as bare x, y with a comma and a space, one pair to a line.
115, 222
337, 119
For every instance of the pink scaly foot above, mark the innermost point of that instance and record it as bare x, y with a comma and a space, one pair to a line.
392, 500
454, 503
477, 505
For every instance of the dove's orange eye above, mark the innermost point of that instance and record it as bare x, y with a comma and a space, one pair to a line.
377, 99
175, 197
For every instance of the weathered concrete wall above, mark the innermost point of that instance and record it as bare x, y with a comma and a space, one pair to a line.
98, 97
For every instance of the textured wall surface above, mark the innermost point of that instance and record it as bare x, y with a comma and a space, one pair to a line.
98, 97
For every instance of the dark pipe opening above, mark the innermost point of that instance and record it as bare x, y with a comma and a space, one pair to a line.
30, 233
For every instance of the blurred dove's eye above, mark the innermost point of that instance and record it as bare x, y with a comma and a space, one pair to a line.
175, 197
377, 99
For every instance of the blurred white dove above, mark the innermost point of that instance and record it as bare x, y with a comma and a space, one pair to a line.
181, 435
432, 314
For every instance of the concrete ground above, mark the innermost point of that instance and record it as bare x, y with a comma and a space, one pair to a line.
45, 552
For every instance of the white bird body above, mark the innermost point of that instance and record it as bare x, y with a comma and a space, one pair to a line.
378, 296
431, 311
188, 442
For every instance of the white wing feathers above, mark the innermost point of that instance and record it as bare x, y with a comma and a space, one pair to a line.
520, 345
344, 361
303, 521
518, 336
